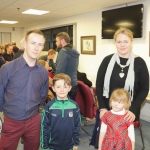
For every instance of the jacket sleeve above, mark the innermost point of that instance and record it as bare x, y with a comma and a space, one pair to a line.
143, 76
45, 129
77, 126
3, 83
61, 62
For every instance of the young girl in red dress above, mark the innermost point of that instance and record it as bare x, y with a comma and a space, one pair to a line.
116, 133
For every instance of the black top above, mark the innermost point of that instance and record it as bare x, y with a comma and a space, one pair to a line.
2, 60
82, 77
8, 57
141, 83
18, 54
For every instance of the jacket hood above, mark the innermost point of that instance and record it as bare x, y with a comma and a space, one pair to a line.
71, 50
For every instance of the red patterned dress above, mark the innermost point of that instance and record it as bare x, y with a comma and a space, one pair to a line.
116, 137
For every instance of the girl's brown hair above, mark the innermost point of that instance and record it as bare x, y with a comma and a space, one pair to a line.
120, 95
51, 52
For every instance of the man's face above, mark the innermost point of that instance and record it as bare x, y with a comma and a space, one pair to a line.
34, 45
58, 43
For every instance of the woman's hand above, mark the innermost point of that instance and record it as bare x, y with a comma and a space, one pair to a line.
129, 116
102, 112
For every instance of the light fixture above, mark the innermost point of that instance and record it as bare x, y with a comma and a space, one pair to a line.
8, 22
35, 12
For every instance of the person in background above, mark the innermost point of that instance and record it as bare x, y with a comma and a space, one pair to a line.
60, 118
21, 50
15, 48
49, 58
2, 60
115, 132
82, 77
125, 70
23, 89
8, 55
67, 61
50, 92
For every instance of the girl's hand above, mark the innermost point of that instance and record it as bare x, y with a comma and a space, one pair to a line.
102, 112
129, 116
75, 148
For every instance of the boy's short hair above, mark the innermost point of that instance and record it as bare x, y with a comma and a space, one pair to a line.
51, 52
62, 76
63, 35
121, 95
37, 31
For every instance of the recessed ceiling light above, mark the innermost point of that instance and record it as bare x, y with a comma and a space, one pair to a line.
8, 22
35, 12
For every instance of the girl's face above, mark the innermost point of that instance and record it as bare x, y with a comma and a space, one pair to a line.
124, 45
117, 106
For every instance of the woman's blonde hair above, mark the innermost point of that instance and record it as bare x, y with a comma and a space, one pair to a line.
1, 46
125, 31
120, 95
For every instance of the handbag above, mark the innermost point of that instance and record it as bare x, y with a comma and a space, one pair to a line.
95, 136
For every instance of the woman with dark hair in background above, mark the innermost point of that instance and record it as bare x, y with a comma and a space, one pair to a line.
2, 60
8, 55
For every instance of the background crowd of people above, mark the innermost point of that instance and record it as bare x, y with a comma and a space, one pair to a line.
20, 101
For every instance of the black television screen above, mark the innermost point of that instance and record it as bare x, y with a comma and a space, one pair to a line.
130, 17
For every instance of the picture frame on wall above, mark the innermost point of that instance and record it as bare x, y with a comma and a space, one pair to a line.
88, 45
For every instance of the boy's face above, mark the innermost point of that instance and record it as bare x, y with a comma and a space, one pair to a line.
61, 89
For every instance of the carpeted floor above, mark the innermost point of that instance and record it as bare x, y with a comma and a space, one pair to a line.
85, 138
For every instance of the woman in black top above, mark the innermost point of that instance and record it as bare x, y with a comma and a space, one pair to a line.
8, 55
2, 60
123, 70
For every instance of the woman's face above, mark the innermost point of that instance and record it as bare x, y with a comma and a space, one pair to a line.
1, 51
124, 45
9, 49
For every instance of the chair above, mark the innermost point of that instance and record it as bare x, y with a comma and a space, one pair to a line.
85, 100
138, 124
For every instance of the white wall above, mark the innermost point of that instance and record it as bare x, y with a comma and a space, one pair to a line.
90, 24
16, 35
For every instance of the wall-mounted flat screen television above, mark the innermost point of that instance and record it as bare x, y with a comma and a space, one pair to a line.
130, 17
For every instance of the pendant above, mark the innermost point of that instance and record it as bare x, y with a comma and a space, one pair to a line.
121, 74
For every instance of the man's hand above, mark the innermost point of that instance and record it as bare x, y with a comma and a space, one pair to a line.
129, 116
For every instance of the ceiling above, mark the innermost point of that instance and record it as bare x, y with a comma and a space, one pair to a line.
12, 9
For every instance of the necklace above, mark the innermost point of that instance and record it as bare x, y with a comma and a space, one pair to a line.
121, 74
